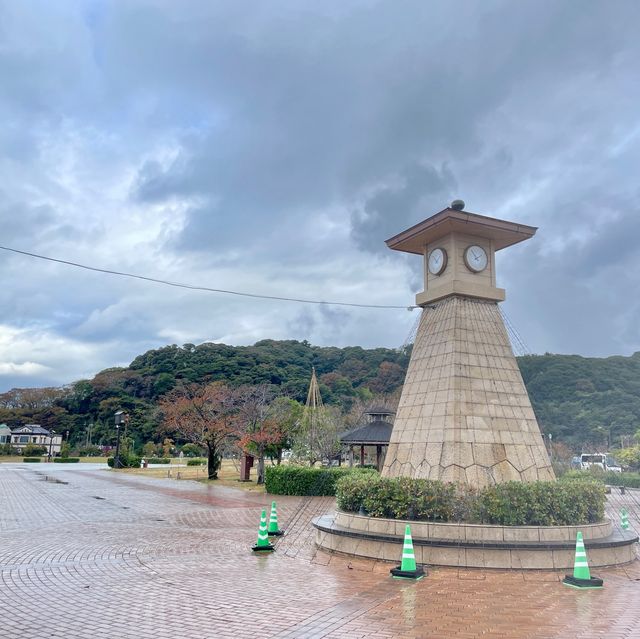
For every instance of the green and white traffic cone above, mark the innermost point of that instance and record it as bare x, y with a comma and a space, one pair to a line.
408, 569
581, 577
273, 522
263, 544
624, 519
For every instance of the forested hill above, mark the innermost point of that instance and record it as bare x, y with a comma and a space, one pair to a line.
576, 399
343, 372
585, 399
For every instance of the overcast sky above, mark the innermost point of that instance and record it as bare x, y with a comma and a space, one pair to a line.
272, 147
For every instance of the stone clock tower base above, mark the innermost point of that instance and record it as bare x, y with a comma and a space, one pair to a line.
465, 415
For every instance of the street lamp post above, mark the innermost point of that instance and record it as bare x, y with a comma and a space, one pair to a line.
119, 420
51, 435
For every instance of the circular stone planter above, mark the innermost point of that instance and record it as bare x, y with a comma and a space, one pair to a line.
474, 545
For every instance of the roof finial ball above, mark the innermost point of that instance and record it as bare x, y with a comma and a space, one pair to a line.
457, 205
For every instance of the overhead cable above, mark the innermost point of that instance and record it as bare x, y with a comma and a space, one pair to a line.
194, 287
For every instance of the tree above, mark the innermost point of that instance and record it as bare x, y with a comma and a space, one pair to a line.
318, 437
203, 415
150, 449
167, 446
287, 413
257, 427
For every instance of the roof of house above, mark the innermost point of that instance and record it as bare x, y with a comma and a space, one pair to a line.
376, 432
31, 429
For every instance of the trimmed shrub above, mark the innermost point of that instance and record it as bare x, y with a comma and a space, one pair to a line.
32, 450
397, 497
303, 480
31, 460
630, 480
583, 475
157, 460
196, 462
509, 504
541, 503
66, 460
126, 462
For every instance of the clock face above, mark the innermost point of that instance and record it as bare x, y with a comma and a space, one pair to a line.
437, 261
475, 258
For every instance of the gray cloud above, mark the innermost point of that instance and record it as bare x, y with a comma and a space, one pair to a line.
273, 147
392, 209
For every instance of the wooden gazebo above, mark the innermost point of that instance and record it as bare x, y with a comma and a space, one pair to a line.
374, 430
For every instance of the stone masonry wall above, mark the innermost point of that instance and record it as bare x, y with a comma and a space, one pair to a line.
464, 414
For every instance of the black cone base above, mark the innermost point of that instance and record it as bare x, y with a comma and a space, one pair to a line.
277, 533
268, 548
398, 573
574, 582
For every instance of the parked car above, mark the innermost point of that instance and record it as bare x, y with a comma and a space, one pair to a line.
599, 460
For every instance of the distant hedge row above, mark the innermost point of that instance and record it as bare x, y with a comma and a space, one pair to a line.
630, 480
66, 460
509, 504
303, 480
132, 461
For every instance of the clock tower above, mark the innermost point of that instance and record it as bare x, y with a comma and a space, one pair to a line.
464, 414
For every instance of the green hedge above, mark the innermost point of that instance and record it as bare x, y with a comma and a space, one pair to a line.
126, 462
66, 460
541, 503
510, 504
196, 462
630, 480
31, 460
157, 460
303, 480
397, 498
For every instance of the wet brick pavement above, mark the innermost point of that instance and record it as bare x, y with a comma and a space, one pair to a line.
89, 553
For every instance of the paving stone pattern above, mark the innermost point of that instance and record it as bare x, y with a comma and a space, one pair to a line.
90, 553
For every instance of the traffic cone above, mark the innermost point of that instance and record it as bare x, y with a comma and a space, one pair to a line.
263, 544
624, 519
408, 568
273, 522
581, 576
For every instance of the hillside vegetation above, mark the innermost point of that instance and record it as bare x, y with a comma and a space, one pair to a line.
582, 401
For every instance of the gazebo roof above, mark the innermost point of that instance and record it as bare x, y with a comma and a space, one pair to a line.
379, 410
376, 432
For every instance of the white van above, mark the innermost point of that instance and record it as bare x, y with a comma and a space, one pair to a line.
599, 460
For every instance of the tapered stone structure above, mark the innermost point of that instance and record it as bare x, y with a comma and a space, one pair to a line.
464, 415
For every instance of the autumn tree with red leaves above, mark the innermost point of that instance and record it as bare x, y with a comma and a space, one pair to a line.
258, 424
203, 415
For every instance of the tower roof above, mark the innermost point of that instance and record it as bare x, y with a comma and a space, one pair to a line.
503, 233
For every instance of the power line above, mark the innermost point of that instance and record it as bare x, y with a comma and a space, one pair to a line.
199, 288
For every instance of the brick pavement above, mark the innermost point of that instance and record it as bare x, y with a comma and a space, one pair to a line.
90, 553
